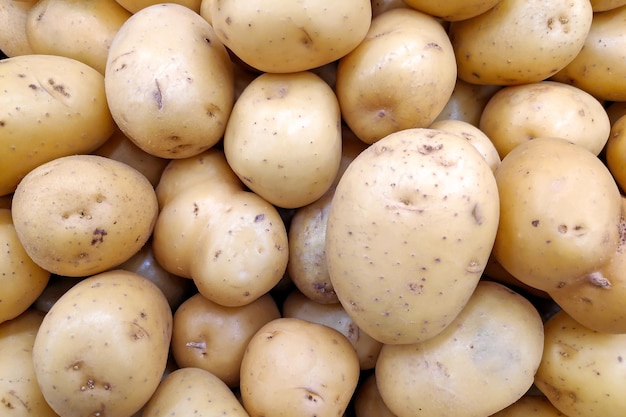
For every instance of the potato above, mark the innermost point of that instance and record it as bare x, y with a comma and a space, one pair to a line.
599, 67
51, 106
193, 391
20, 394
212, 337
615, 151
519, 113
286, 36
530, 406
560, 213
400, 76
75, 29
230, 241
103, 346
297, 305
13, 15
483, 362
582, 371
520, 41
287, 149
428, 213
467, 102
293, 367
134, 6
473, 135
169, 81
595, 299
381, 6
367, 400
615, 110
453, 10
21, 280
605, 5
83, 214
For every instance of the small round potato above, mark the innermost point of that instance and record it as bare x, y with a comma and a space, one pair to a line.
400, 76
582, 371
287, 36
560, 213
520, 41
283, 139
483, 362
193, 391
169, 81
428, 210
515, 114
102, 348
293, 367
83, 214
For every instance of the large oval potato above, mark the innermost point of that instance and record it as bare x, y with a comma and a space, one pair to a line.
483, 362
102, 348
51, 106
428, 211
520, 41
400, 76
287, 36
83, 214
169, 81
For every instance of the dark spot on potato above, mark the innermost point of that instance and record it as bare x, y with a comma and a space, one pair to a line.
306, 39
217, 254
562, 228
477, 215
323, 287
620, 359
535, 223
158, 95
433, 45
207, 40
2, 123
428, 149
98, 236
228, 20
196, 209
212, 110
59, 88
259, 217
32, 86
599, 280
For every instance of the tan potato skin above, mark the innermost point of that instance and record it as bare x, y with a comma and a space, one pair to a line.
615, 151
519, 113
13, 16
560, 213
381, 92
20, 395
212, 337
530, 406
484, 361
367, 400
520, 41
173, 107
605, 43
193, 391
605, 5
427, 202
51, 106
103, 346
581, 371
21, 280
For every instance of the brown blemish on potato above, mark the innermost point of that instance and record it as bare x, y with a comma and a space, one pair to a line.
535, 223
137, 332
259, 217
427, 149
98, 236
157, 95
477, 214
433, 45
599, 280
59, 88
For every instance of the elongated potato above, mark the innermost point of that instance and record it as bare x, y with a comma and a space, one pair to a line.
50, 106
428, 211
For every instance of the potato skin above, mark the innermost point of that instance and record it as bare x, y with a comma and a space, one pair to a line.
427, 202
103, 346
67, 113
83, 214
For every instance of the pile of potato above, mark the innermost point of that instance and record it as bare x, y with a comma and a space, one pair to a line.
275, 208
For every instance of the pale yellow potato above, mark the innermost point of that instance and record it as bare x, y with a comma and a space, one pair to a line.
467, 102
520, 41
13, 15
519, 113
83, 214
560, 213
20, 395
21, 280
428, 211
193, 391
82, 30
483, 362
530, 406
367, 400
400, 76
102, 348
473, 135
615, 151
50, 106
453, 10
605, 5
212, 337
297, 305
230, 241
287, 36
293, 367
283, 138
169, 81
600, 65
582, 371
